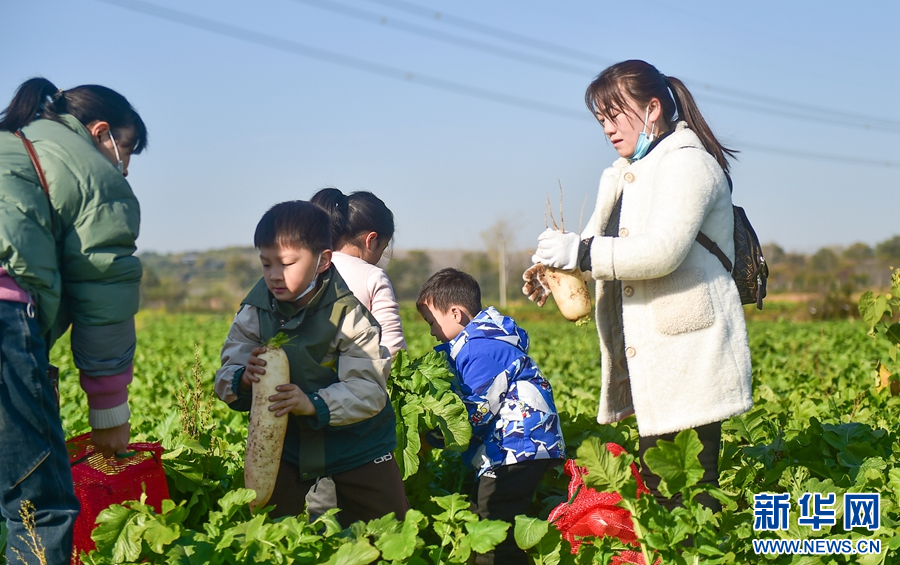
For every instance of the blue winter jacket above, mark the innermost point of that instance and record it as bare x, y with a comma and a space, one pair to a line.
510, 402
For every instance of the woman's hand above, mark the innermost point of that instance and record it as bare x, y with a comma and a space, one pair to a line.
536, 288
110, 441
291, 398
558, 249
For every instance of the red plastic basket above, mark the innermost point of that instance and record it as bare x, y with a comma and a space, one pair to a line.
101, 482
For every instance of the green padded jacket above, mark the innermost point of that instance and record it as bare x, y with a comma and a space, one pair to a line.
85, 272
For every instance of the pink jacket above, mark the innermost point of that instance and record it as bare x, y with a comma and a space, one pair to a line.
373, 289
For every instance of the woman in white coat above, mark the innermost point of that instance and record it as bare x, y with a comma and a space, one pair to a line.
672, 333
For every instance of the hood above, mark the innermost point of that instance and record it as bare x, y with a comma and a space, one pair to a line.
488, 324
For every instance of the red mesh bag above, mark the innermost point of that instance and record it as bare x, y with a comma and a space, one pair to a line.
631, 558
100, 483
592, 513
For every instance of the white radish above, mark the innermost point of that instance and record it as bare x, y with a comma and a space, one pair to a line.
567, 286
265, 434
570, 292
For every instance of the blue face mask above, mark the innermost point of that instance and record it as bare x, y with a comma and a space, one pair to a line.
644, 141
312, 283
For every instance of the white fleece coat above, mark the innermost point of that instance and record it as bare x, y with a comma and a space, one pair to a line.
684, 361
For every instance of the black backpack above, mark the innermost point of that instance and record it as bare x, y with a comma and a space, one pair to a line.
750, 270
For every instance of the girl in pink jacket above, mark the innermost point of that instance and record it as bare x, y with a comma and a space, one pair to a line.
362, 227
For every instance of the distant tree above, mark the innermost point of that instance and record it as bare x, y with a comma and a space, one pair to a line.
825, 260
241, 272
889, 250
499, 239
481, 266
774, 253
408, 274
858, 251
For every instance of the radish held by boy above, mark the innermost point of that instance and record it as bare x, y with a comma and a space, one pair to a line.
265, 434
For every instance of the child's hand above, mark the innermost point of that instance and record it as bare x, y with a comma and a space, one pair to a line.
254, 367
291, 399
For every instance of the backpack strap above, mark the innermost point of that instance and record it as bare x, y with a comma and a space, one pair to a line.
29, 148
711, 246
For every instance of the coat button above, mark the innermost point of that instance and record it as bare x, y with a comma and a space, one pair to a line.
629, 177
623, 232
630, 352
627, 291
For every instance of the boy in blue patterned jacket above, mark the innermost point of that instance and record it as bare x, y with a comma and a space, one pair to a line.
516, 434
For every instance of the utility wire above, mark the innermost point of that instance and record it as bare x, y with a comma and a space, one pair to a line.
717, 101
373, 18
817, 113
342, 60
495, 32
819, 156
250, 36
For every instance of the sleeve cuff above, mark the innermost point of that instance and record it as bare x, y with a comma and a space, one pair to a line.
236, 381
602, 261
101, 419
584, 255
323, 415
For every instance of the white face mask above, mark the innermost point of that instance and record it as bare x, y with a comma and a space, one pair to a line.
644, 140
312, 283
119, 164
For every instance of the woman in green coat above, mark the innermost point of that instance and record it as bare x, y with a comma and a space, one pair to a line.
68, 223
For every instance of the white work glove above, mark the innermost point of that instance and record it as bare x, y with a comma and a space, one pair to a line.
536, 288
558, 249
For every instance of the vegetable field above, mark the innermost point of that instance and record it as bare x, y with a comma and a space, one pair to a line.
825, 421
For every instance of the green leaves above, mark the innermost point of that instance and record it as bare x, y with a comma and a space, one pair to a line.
530, 531
676, 462
278, 341
421, 394
606, 472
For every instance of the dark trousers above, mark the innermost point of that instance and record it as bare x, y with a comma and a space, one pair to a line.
504, 496
364, 493
710, 436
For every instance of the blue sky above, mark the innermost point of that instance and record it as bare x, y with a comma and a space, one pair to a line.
461, 120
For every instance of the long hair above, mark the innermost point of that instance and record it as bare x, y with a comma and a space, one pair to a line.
39, 98
640, 81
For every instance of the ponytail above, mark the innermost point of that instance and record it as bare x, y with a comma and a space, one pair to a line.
690, 113
38, 98
337, 205
641, 81
355, 215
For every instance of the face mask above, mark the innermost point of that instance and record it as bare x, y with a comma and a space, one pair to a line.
119, 165
644, 141
312, 283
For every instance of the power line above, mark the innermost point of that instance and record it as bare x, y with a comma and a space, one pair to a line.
820, 156
817, 113
483, 29
342, 60
294, 47
373, 18
714, 100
